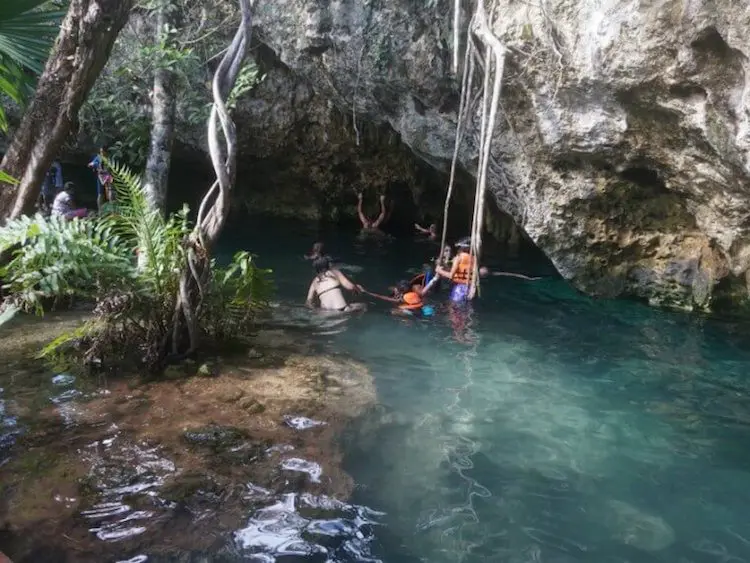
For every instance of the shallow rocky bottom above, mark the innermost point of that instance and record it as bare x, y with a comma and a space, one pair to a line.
96, 471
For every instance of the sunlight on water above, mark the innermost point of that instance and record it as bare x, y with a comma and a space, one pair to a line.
124, 472
308, 525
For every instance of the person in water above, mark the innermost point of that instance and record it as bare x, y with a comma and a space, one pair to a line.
326, 288
431, 231
408, 297
104, 179
461, 272
316, 252
367, 223
64, 204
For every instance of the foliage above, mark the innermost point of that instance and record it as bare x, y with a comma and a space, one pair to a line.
27, 30
119, 106
248, 78
129, 263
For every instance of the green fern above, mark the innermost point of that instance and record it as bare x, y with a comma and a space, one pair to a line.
128, 262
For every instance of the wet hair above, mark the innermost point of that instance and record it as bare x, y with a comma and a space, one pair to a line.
403, 286
321, 264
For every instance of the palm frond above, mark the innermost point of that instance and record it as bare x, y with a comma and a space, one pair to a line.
27, 31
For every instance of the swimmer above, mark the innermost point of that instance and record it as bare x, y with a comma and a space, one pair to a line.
326, 287
461, 272
431, 231
316, 252
408, 296
367, 224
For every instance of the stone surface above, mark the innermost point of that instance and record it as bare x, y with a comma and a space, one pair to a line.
623, 147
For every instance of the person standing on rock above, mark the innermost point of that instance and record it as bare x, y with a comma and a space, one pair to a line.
104, 179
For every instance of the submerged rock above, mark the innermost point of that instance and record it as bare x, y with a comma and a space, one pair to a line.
622, 147
215, 436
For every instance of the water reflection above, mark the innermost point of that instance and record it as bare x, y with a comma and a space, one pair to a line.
308, 525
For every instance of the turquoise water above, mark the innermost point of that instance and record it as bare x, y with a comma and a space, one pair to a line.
541, 426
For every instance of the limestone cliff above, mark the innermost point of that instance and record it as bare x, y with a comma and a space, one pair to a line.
623, 150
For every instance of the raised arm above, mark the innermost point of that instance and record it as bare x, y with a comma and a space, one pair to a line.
381, 217
427, 288
362, 218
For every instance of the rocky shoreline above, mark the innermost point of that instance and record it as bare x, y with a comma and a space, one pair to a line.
177, 465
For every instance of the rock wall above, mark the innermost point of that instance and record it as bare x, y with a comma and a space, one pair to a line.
623, 147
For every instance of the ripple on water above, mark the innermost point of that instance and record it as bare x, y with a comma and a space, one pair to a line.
8, 431
305, 525
303, 466
127, 476
302, 422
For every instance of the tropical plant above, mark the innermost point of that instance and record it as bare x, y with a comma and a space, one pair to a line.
128, 263
27, 29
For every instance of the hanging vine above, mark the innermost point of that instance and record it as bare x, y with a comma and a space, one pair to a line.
214, 208
493, 66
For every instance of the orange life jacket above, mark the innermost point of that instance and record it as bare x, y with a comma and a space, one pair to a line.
411, 300
465, 268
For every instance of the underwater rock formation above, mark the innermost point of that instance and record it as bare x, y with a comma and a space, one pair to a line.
623, 145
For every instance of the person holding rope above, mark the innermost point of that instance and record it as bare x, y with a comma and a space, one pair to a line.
461, 272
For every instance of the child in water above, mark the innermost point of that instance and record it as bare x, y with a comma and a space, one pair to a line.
409, 298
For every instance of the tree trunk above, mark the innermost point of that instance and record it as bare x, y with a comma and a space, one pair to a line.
81, 50
164, 104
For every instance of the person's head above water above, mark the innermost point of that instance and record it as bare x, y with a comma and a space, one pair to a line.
321, 265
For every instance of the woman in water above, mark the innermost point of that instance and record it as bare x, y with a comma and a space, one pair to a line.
326, 287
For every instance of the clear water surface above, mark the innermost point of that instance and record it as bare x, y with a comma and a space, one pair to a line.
542, 426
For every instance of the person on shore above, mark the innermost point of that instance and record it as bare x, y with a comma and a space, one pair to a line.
326, 288
51, 186
64, 204
104, 179
431, 232
461, 272
368, 224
